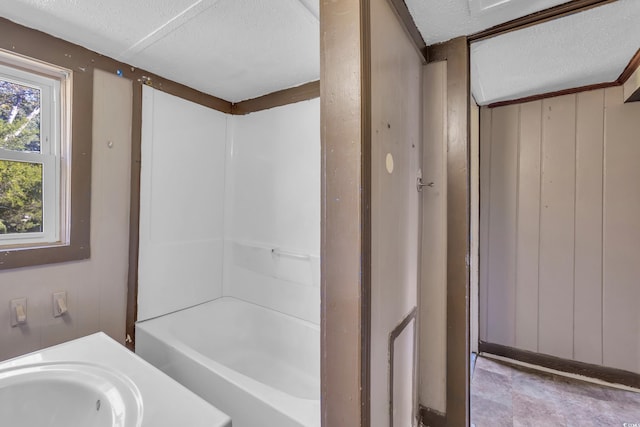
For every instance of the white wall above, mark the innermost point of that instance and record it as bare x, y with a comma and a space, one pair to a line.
273, 202
97, 287
181, 204
268, 198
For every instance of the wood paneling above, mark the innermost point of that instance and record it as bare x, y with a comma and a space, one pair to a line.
588, 228
486, 124
528, 226
557, 198
502, 223
621, 266
396, 131
577, 227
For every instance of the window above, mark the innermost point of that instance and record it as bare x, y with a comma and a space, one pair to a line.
34, 153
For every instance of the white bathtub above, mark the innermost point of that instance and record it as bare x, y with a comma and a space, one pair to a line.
259, 366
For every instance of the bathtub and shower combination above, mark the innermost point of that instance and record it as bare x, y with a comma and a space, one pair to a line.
228, 267
257, 365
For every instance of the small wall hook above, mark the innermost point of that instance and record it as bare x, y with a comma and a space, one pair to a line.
420, 185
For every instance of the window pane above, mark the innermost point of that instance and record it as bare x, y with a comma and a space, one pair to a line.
20, 197
19, 117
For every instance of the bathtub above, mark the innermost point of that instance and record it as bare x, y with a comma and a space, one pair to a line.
257, 365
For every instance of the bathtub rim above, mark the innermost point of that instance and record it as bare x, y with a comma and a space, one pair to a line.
296, 408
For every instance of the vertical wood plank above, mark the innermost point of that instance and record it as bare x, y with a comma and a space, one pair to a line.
456, 53
528, 226
346, 229
502, 226
458, 94
485, 195
433, 266
474, 209
613, 96
589, 228
555, 335
588, 222
621, 266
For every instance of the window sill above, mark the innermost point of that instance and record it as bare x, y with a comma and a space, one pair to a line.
32, 256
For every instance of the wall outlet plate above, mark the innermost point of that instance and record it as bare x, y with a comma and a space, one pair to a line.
13, 305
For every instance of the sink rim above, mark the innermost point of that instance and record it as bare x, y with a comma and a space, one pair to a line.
97, 377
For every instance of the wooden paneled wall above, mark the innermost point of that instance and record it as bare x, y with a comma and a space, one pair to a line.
560, 227
396, 150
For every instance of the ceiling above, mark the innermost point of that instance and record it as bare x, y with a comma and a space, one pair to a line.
591, 47
233, 49
442, 20
578, 50
241, 49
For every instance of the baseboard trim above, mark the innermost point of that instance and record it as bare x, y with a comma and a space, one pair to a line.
432, 418
610, 375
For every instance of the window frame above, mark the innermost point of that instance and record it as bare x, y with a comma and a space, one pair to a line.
54, 148
68, 158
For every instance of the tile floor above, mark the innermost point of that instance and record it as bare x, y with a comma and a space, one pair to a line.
509, 395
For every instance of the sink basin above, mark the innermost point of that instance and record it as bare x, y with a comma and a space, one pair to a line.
68, 394
94, 381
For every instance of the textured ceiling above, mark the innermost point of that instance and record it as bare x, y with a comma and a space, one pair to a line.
233, 49
240, 49
586, 48
442, 20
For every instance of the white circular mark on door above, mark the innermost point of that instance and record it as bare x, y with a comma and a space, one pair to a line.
389, 163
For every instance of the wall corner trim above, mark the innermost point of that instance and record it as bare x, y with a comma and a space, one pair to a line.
539, 17
630, 79
403, 13
304, 92
395, 333
432, 418
456, 53
611, 375
345, 110
632, 66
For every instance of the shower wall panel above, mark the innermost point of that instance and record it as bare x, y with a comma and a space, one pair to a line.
181, 204
272, 219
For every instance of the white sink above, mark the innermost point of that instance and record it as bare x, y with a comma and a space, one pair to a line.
95, 382
68, 394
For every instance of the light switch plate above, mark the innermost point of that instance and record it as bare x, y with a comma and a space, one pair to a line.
12, 309
56, 295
